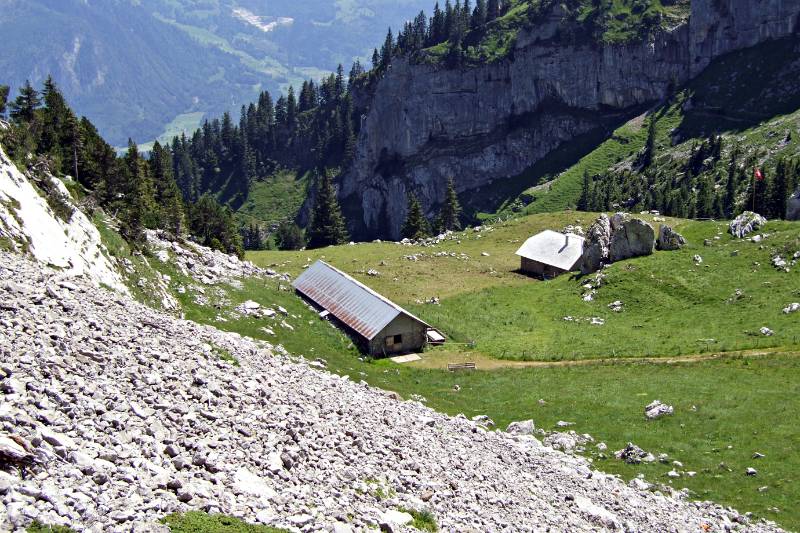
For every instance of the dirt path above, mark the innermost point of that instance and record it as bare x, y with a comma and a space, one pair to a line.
440, 361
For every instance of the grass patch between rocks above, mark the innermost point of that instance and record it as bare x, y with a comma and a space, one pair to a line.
200, 522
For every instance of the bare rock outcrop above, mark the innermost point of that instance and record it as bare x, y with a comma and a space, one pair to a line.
630, 237
669, 239
483, 124
615, 239
596, 245
746, 223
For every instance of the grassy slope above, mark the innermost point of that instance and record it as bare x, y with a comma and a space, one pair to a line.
741, 402
277, 198
672, 306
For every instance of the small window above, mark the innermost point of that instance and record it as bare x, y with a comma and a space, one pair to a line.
394, 340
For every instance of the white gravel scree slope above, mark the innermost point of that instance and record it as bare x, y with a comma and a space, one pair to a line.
74, 246
129, 414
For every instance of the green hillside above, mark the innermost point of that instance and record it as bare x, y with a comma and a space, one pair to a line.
748, 99
688, 335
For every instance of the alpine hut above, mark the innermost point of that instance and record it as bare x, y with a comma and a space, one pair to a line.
381, 327
550, 253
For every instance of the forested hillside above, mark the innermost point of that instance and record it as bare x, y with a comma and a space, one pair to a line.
45, 136
150, 68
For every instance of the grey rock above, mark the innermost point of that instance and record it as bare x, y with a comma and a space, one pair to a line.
746, 223
656, 409
793, 206
424, 123
524, 427
669, 239
630, 237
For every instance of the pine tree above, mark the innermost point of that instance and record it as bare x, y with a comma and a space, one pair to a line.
781, 189
327, 227
448, 219
478, 15
4, 90
167, 195
376, 59
730, 185
290, 237
23, 108
705, 199
387, 50
585, 199
416, 225
650, 146
492, 10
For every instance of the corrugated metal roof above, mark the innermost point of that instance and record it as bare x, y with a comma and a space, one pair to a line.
560, 250
349, 300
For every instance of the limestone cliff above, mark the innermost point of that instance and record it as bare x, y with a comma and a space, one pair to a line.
489, 123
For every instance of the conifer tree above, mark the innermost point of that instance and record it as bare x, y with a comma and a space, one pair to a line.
416, 225
376, 59
327, 227
387, 50
24, 107
451, 210
650, 146
479, 15
730, 185
705, 199
4, 90
290, 237
585, 199
167, 195
781, 189
492, 10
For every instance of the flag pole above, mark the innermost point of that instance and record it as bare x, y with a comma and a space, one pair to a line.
754, 189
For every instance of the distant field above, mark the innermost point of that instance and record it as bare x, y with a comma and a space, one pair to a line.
185, 123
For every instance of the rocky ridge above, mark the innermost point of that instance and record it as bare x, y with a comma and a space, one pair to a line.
126, 414
480, 125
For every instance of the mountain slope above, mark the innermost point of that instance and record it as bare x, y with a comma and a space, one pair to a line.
486, 125
135, 67
166, 415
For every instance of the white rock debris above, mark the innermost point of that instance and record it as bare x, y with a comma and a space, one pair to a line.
29, 223
656, 409
122, 414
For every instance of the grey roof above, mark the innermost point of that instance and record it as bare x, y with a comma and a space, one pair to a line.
560, 250
349, 300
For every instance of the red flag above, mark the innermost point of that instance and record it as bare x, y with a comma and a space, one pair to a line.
758, 175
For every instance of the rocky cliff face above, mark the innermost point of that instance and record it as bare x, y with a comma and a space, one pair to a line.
489, 123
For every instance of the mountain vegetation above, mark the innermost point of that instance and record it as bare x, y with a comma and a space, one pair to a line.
154, 68
694, 155
140, 193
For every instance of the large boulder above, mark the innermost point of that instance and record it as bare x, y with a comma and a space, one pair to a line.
620, 237
669, 239
746, 223
595, 247
793, 206
630, 237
